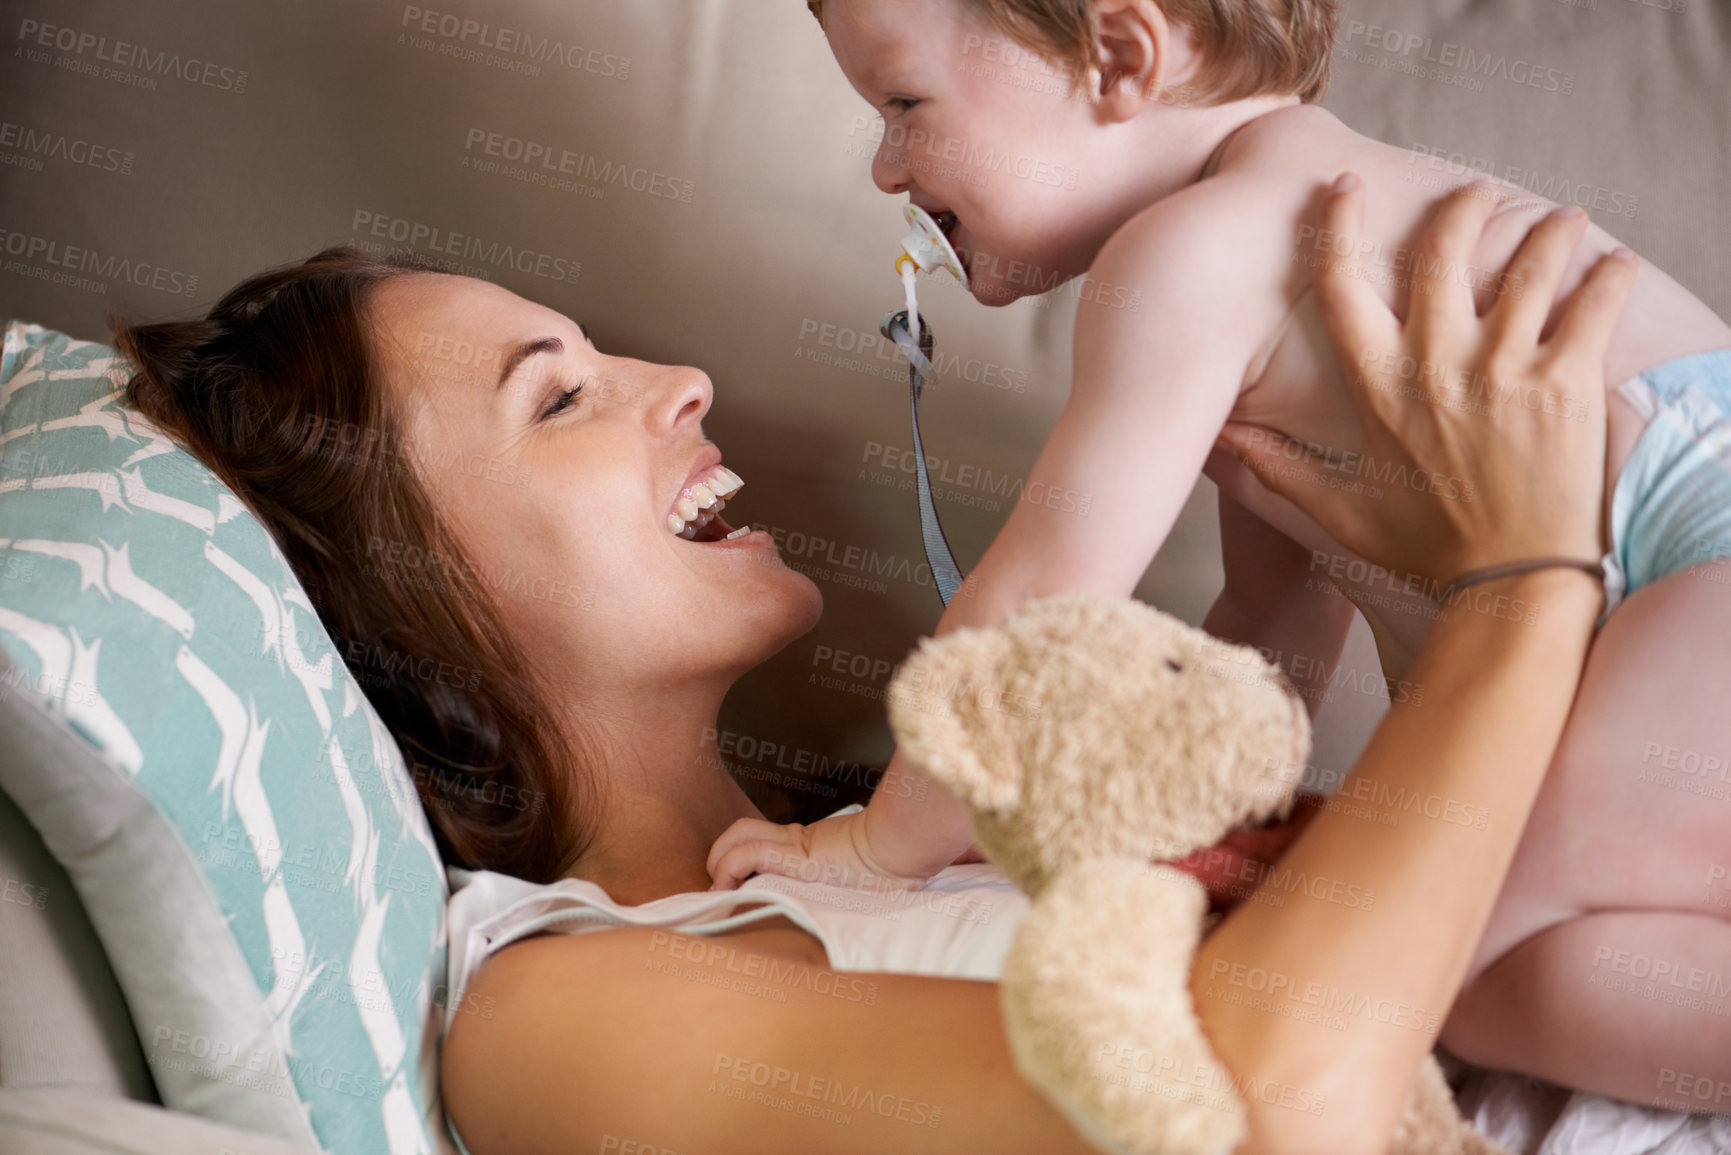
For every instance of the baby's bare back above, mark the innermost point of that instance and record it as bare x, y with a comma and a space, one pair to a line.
1292, 383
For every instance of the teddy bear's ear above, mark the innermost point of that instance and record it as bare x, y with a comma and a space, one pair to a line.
947, 707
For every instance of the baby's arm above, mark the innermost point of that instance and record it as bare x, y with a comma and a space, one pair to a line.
1273, 600
1152, 384
1151, 388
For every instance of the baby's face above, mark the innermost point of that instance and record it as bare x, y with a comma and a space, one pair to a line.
981, 133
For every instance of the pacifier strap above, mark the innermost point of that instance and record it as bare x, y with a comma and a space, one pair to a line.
946, 575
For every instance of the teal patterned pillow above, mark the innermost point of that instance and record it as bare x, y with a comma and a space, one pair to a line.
249, 842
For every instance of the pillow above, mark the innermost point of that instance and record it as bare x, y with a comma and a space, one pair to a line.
235, 817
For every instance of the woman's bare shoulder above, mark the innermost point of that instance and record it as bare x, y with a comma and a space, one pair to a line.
740, 1042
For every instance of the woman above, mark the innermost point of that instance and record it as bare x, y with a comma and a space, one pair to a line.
377, 418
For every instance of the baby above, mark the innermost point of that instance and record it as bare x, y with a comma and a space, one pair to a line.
1190, 160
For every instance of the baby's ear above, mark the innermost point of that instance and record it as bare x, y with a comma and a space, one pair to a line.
946, 708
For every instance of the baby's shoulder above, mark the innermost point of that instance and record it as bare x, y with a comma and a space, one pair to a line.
1234, 232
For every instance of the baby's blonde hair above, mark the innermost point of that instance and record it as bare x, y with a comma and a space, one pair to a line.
1248, 47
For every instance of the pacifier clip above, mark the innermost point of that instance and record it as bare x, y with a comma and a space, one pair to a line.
925, 248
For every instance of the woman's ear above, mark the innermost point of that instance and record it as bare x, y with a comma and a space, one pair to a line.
1134, 54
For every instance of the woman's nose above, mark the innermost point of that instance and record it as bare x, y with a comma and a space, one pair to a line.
683, 398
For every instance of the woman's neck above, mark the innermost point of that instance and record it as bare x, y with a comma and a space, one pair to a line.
664, 796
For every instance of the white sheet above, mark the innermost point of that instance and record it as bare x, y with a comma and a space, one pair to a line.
1531, 1117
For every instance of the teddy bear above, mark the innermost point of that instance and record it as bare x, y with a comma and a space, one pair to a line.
1090, 737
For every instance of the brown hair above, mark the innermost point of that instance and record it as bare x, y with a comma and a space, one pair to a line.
1248, 47
277, 390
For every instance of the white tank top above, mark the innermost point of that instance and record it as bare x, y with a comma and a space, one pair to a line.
959, 926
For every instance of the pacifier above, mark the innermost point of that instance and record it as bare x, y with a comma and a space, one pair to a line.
926, 248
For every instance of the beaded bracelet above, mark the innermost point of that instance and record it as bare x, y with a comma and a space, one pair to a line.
1513, 568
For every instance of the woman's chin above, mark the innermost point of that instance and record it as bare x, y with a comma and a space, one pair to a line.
786, 606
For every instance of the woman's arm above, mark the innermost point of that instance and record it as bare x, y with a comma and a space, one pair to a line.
1373, 945
620, 1041
1344, 988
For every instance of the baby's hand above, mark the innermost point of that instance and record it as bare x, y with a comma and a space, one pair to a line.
833, 851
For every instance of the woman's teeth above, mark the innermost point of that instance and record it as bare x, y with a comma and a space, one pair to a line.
702, 501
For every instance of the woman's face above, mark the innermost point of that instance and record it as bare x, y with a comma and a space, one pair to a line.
559, 469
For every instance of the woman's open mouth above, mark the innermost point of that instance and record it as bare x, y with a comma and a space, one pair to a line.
696, 515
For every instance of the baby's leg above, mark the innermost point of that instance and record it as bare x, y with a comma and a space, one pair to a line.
1607, 962
1566, 1005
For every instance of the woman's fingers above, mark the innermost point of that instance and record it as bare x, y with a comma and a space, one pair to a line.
1440, 309
1356, 318
1275, 459
1590, 318
1529, 285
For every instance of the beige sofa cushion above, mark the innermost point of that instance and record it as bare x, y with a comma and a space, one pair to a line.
63, 1022
79, 1123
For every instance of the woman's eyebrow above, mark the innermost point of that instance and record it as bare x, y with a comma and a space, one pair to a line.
527, 350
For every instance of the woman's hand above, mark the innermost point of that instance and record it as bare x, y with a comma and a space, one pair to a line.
1499, 435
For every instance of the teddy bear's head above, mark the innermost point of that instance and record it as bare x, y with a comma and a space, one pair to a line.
1087, 727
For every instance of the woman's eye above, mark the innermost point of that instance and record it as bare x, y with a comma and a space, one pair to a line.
561, 402
901, 103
